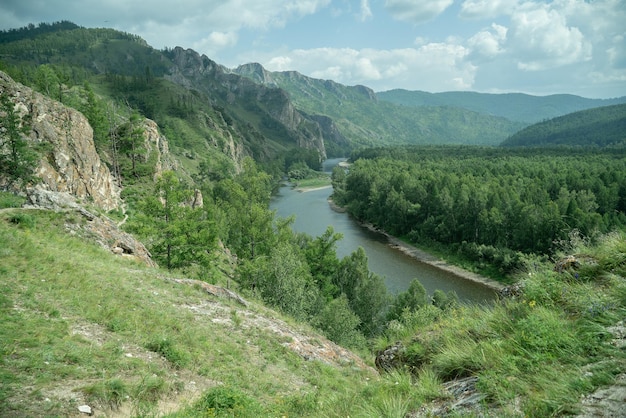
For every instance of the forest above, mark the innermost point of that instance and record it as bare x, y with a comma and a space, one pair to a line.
491, 205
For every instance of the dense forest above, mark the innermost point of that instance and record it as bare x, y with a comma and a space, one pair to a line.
489, 203
600, 127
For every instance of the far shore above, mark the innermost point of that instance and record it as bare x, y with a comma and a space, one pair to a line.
427, 258
311, 189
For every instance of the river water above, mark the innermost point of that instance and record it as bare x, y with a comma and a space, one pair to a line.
313, 215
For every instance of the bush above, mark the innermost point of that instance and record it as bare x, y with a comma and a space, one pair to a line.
223, 401
168, 349
23, 220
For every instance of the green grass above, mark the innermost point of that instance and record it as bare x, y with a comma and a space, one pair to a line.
79, 325
115, 334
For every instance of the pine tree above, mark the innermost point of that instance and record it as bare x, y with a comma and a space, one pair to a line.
17, 160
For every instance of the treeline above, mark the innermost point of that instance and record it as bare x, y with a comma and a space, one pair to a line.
32, 30
490, 204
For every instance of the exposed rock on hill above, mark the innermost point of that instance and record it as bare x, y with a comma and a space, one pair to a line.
155, 142
271, 104
70, 162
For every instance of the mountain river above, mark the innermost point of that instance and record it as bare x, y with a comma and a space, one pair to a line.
313, 215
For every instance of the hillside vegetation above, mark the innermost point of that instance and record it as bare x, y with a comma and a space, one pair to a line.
513, 106
367, 121
489, 205
599, 127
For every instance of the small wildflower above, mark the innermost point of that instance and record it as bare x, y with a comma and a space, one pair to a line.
532, 303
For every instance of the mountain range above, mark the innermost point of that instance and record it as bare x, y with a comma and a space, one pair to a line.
267, 113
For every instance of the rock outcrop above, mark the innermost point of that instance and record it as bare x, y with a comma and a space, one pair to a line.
156, 143
70, 162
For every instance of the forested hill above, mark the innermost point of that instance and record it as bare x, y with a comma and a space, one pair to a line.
197, 102
514, 106
367, 121
602, 126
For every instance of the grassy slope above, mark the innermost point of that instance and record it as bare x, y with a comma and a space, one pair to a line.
79, 325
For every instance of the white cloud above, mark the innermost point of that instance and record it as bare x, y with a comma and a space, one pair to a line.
541, 38
215, 42
416, 11
488, 43
432, 67
366, 11
485, 9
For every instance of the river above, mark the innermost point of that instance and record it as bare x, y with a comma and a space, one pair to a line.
313, 215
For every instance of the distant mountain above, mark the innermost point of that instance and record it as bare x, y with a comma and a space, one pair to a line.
367, 121
602, 126
513, 106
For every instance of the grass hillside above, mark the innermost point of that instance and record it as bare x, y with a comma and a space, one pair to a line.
513, 106
601, 127
82, 326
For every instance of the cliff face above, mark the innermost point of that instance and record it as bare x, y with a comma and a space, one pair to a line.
70, 162
271, 105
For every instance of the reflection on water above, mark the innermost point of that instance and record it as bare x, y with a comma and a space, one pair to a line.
313, 215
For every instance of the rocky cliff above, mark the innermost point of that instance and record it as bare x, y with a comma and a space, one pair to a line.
271, 106
69, 162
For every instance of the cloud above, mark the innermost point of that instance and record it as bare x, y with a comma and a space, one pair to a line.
416, 11
488, 43
366, 11
164, 22
485, 9
542, 39
432, 67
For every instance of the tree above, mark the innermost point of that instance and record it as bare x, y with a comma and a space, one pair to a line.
283, 280
179, 236
366, 292
339, 323
322, 259
412, 299
132, 142
17, 160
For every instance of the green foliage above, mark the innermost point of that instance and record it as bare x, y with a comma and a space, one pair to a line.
17, 159
410, 300
489, 205
110, 392
339, 323
222, 401
24, 220
178, 234
169, 350
600, 127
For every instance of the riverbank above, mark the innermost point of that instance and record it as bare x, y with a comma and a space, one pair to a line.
426, 258
311, 189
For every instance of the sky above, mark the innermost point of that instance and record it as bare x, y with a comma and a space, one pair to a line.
536, 47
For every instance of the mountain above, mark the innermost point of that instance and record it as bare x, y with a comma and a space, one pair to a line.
513, 106
367, 121
601, 126
185, 93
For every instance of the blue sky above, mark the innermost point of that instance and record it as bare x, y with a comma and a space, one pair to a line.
530, 46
